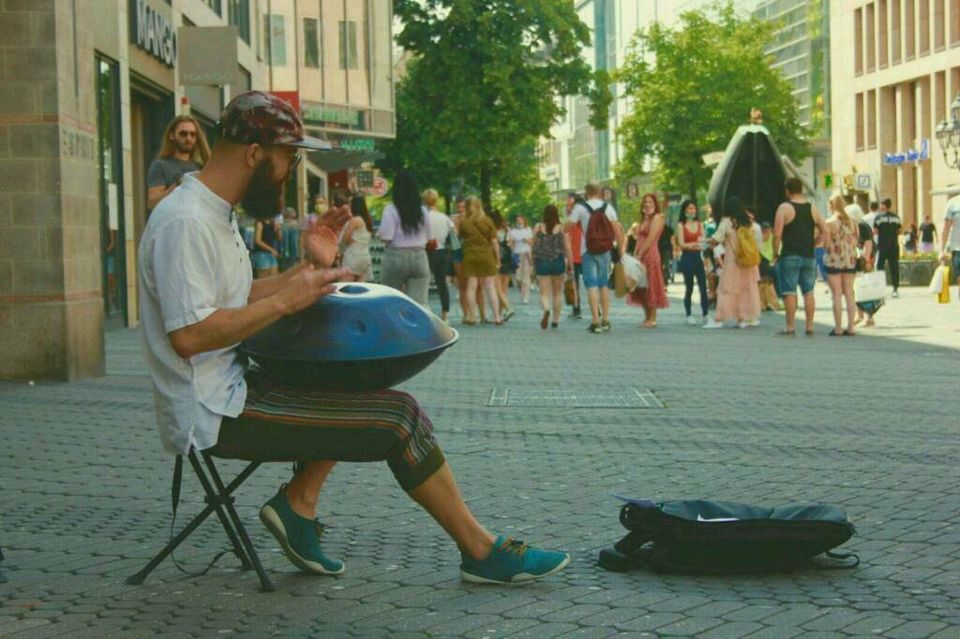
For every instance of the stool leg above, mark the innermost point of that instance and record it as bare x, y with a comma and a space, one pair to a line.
220, 499
265, 584
137, 579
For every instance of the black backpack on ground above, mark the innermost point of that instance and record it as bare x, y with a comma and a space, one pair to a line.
722, 537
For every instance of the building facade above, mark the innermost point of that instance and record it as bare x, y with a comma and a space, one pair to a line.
894, 75
335, 58
801, 52
89, 88
575, 153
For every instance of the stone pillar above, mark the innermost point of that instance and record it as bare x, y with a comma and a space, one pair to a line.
51, 311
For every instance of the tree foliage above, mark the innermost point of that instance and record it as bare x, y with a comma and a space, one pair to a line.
482, 86
693, 86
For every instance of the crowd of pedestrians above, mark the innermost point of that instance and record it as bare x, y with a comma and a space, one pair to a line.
737, 266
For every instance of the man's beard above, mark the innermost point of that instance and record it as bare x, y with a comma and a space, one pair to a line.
264, 197
185, 147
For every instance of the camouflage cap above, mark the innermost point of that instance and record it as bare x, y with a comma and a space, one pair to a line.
257, 117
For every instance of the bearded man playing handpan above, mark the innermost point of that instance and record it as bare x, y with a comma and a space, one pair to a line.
198, 301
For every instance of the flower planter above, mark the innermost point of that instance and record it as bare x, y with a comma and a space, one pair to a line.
915, 272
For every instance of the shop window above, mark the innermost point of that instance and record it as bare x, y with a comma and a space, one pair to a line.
311, 43
858, 41
883, 32
910, 29
939, 20
940, 97
896, 33
859, 121
238, 14
112, 231
954, 22
275, 32
924, 26
348, 45
247, 82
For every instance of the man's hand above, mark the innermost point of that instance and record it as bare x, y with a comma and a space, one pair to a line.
334, 218
310, 284
321, 236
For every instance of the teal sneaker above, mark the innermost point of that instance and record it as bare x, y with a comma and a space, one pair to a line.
512, 561
299, 536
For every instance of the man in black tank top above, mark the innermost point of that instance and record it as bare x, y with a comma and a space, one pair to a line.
794, 239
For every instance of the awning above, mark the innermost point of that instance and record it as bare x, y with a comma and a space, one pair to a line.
339, 159
952, 189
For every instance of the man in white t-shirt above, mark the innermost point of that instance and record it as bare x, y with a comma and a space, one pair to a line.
198, 301
596, 266
950, 238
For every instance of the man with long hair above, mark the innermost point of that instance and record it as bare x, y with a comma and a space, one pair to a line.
184, 150
198, 301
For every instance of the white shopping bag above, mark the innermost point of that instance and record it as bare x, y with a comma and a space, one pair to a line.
871, 286
635, 272
936, 284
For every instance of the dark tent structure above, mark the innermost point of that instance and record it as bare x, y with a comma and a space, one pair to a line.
752, 169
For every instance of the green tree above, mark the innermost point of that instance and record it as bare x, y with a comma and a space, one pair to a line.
693, 86
483, 86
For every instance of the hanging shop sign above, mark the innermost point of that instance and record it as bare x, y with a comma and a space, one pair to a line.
357, 144
153, 32
319, 115
910, 155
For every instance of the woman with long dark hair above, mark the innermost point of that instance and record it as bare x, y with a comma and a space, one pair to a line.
738, 295
690, 238
355, 239
653, 297
551, 259
404, 230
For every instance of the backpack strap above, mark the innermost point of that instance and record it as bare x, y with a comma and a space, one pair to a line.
838, 560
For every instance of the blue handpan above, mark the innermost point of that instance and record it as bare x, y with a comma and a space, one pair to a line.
361, 337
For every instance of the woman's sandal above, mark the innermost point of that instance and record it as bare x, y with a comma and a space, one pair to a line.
849, 333
786, 333
834, 333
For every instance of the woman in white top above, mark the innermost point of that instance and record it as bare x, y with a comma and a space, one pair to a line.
519, 241
403, 229
355, 240
438, 252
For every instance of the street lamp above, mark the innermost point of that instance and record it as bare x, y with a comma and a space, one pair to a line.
948, 135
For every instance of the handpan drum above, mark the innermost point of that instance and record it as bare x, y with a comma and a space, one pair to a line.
361, 337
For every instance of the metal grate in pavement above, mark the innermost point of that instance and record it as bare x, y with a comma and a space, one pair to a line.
612, 397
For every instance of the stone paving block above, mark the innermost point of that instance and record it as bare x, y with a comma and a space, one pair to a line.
835, 620
688, 627
875, 624
715, 609
463, 624
544, 631
573, 613
779, 632
731, 630
595, 632
649, 621
753, 613
504, 628
610, 617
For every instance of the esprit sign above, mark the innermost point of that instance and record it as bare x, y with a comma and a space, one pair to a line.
153, 32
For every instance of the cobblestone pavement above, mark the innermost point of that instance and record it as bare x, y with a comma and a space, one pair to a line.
868, 423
